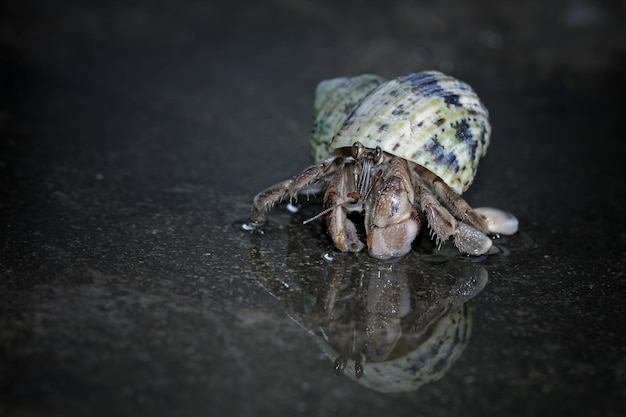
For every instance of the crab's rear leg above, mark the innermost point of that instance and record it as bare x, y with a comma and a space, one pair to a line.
304, 182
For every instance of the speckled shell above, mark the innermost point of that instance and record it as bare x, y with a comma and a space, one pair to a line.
334, 101
428, 118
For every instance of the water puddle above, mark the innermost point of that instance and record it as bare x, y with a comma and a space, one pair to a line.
391, 326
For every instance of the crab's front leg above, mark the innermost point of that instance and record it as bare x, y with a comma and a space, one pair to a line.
391, 221
304, 182
338, 203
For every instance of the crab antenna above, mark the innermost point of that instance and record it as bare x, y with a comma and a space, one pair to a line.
364, 182
318, 215
365, 179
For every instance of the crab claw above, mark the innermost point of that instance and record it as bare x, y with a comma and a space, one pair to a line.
344, 234
471, 241
393, 223
499, 221
393, 240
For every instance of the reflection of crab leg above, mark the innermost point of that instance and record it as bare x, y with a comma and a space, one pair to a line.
305, 182
341, 229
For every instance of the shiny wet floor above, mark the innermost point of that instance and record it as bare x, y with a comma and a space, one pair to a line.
134, 136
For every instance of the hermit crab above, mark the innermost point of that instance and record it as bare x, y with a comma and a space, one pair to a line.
393, 155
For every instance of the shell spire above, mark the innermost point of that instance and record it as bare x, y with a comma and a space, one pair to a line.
335, 99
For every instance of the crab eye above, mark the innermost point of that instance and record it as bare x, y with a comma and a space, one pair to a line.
378, 155
357, 150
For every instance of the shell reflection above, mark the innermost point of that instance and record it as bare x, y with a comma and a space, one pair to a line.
391, 327
389, 336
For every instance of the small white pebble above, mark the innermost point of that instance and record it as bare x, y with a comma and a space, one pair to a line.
327, 256
292, 208
499, 221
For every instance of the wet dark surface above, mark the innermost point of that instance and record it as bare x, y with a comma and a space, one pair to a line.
133, 136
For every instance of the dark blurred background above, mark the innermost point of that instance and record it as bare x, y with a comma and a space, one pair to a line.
134, 134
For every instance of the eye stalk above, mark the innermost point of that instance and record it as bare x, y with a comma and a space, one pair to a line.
378, 155
357, 150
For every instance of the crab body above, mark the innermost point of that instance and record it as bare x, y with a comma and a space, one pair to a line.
401, 152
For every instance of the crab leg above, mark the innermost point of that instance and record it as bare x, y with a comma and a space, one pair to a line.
338, 201
459, 207
486, 219
443, 225
303, 183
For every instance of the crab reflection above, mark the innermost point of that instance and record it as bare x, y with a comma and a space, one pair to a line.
391, 327
391, 332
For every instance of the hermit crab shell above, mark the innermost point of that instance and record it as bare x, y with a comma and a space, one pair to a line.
428, 118
335, 99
